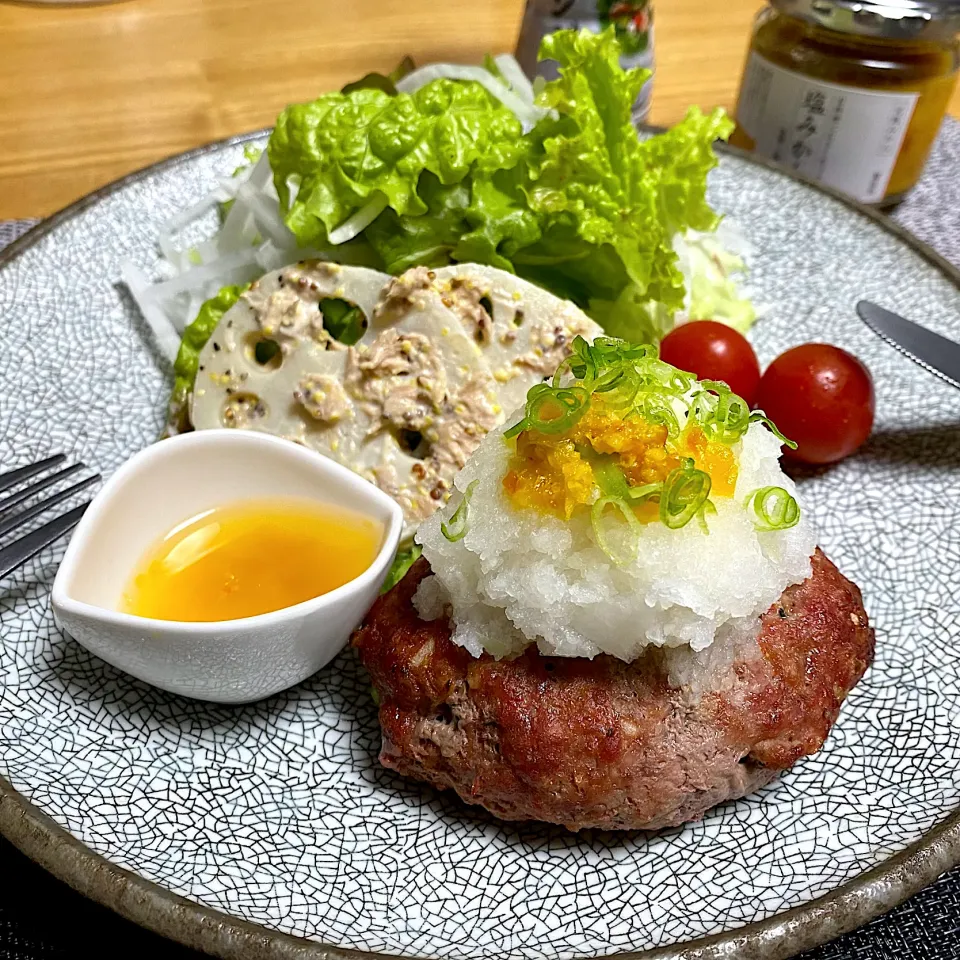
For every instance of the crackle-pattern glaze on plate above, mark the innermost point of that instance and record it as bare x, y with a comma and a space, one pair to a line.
278, 813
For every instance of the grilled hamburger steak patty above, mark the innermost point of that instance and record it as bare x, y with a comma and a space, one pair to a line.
603, 743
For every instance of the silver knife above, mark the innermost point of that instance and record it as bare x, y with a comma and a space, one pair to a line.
934, 353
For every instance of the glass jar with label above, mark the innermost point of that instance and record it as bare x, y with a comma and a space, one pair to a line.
631, 19
850, 92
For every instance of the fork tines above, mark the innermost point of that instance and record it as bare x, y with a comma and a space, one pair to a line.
11, 518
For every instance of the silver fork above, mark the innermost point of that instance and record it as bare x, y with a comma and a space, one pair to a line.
11, 518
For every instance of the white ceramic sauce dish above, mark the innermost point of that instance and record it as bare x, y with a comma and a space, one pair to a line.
233, 661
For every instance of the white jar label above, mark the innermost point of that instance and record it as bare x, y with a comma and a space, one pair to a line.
843, 136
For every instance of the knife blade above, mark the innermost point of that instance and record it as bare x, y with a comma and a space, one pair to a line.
934, 353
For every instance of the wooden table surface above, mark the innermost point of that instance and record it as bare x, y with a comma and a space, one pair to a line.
89, 93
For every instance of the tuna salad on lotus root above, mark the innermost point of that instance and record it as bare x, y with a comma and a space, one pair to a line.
400, 385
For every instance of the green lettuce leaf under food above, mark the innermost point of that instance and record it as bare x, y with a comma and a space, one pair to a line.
579, 204
633, 317
343, 149
402, 562
610, 202
185, 366
713, 293
344, 321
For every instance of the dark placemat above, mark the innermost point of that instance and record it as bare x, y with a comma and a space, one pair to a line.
43, 919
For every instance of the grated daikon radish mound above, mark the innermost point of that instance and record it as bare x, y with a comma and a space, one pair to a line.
519, 576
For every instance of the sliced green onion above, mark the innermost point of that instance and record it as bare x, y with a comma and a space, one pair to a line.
659, 375
722, 414
632, 541
759, 417
455, 528
572, 401
641, 351
655, 408
608, 351
731, 418
684, 492
613, 379
375, 695
774, 509
516, 429
632, 380
708, 507
610, 479
719, 387
565, 364
619, 389
590, 361
638, 494
582, 364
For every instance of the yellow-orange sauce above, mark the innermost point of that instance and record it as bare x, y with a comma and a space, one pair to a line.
249, 558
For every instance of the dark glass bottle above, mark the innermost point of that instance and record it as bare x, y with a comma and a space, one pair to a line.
632, 19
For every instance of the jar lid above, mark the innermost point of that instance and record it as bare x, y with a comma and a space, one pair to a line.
890, 19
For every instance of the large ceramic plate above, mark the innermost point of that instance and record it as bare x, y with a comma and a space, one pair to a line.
274, 821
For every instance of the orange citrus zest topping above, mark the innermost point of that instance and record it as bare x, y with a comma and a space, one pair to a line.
554, 474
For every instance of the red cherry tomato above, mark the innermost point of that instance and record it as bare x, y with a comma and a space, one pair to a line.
713, 351
821, 397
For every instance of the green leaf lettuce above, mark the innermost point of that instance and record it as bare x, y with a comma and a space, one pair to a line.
580, 204
343, 148
402, 562
194, 339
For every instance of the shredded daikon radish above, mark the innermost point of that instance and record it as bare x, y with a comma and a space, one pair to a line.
261, 176
236, 267
293, 186
359, 221
266, 212
239, 229
165, 333
182, 259
168, 230
514, 75
269, 256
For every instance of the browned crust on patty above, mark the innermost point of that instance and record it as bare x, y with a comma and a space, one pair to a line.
602, 743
